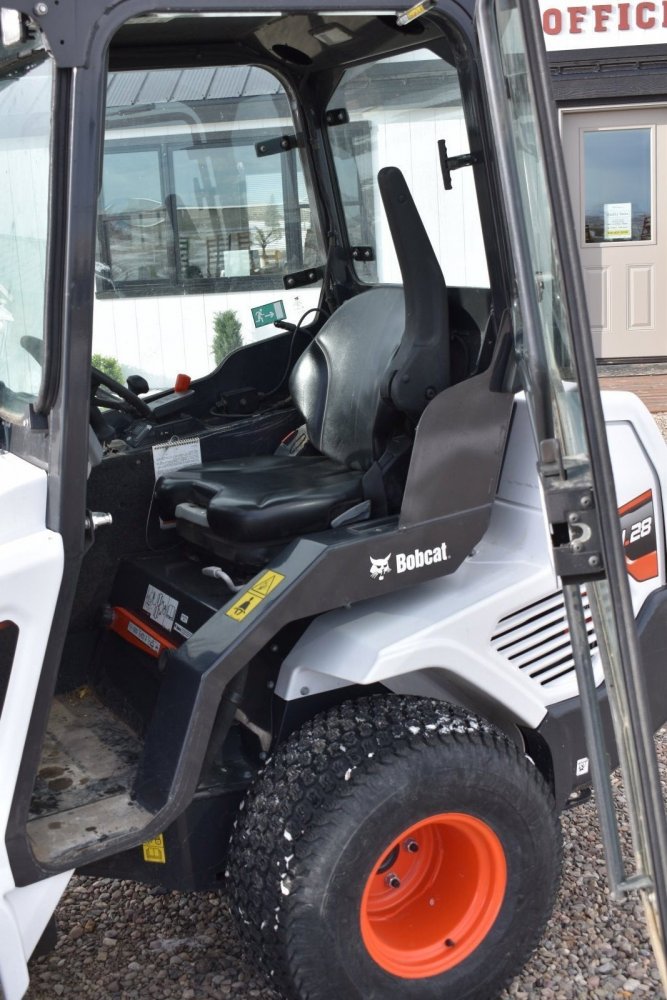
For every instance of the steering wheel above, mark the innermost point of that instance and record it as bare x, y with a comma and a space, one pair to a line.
122, 398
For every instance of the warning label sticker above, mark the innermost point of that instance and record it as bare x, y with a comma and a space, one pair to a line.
267, 583
160, 607
245, 604
260, 589
154, 850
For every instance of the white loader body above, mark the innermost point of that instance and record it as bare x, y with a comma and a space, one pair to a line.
468, 637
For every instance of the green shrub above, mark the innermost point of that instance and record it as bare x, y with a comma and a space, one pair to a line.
227, 336
110, 367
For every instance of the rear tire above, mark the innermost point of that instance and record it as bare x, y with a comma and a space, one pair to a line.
332, 897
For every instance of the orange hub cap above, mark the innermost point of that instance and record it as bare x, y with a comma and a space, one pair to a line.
433, 896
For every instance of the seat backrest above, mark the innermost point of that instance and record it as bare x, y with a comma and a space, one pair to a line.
337, 381
383, 354
421, 367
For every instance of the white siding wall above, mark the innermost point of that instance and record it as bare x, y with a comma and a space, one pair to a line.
162, 336
451, 217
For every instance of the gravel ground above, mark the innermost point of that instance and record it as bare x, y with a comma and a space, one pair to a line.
126, 941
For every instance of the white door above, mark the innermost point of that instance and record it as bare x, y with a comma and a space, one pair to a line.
31, 569
617, 170
31, 555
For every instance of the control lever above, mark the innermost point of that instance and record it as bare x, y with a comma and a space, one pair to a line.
137, 384
283, 324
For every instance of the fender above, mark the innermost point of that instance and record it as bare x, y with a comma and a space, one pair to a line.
439, 636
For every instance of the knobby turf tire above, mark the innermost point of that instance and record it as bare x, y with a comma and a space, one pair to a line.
335, 796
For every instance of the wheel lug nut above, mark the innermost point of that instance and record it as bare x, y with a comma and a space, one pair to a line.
412, 846
393, 881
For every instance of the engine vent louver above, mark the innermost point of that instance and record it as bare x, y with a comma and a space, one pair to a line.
536, 638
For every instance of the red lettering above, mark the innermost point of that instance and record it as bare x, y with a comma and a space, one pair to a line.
645, 18
602, 12
647, 14
624, 17
552, 20
577, 15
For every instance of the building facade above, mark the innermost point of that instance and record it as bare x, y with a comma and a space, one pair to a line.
609, 76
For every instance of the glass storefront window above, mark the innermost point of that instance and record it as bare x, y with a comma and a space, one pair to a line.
617, 185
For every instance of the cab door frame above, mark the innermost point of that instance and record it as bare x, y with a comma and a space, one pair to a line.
575, 466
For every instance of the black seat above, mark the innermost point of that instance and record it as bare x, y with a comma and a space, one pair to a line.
268, 496
370, 351
336, 386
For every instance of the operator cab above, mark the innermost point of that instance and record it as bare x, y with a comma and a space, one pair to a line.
296, 251
271, 613
303, 173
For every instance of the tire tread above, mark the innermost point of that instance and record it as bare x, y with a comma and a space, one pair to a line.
307, 784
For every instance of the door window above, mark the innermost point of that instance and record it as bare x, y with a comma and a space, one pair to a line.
25, 137
617, 185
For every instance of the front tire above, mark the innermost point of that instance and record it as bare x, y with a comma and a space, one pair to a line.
395, 848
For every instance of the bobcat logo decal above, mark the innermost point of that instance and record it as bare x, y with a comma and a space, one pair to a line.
380, 567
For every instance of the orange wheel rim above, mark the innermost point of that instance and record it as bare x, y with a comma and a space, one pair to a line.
433, 895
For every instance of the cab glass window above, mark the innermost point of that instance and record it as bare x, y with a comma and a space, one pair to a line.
25, 136
392, 113
202, 215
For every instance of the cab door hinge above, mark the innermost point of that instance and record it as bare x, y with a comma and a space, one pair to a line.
571, 511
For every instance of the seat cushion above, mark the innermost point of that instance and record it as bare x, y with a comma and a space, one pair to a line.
263, 498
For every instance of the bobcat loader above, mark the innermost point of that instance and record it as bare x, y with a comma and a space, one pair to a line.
326, 579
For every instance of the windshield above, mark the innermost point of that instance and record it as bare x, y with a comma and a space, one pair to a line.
25, 124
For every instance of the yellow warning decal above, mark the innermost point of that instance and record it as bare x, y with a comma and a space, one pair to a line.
267, 583
154, 850
248, 602
245, 604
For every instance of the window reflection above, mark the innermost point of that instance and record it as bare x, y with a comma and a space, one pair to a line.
187, 203
617, 188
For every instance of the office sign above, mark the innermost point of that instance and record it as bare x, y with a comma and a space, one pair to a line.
603, 25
